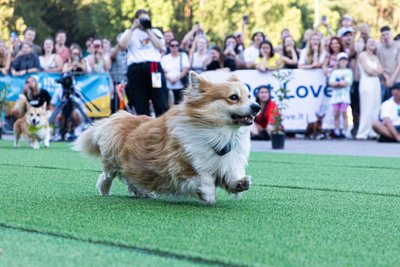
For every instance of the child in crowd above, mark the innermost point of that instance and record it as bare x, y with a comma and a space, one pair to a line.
341, 80
347, 25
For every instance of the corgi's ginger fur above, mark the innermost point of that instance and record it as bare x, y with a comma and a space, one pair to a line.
33, 126
198, 145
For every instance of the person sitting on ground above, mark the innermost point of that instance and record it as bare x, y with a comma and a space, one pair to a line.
217, 60
313, 55
268, 59
50, 61
75, 62
26, 62
389, 128
253, 51
290, 55
31, 94
5, 59
98, 61
264, 122
341, 80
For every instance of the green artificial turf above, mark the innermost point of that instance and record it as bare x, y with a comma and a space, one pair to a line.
302, 210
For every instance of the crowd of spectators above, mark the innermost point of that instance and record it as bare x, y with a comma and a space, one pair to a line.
361, 71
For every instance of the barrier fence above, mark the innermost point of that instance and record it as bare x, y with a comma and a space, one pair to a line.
307, 92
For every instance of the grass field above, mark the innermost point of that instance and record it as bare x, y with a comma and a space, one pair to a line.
302, 210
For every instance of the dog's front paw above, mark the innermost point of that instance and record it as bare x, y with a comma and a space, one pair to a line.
206, 197
243, 184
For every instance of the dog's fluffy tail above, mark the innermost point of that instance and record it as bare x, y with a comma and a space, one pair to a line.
87, 142
107, 136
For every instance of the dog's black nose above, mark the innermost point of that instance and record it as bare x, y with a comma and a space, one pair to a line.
255, 108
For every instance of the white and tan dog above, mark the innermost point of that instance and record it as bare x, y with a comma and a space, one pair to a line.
198, 145
33, 126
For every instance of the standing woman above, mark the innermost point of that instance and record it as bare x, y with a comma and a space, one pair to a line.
198, 54
50, 61
313, 55
146, 80
176, 66
334, 48
370, 90
290, 55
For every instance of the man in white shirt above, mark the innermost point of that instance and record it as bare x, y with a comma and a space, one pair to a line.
253, 52
146, 79
389, 128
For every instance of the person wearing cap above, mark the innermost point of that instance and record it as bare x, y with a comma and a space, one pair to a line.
389, 126
346, 25
252, 52
341, 80
389, 56
347, 38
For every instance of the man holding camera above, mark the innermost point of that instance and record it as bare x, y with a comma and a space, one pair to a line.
146, 79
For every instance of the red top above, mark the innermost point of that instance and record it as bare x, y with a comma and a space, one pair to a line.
263, 119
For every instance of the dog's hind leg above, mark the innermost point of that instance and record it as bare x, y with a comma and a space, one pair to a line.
104, 183
135, 192
16, 140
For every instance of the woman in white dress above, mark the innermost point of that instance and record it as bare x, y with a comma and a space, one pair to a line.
50, 61
370, 90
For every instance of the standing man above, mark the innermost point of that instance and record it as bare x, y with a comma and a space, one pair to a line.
146, 79
29, 37
61, 49
389, 56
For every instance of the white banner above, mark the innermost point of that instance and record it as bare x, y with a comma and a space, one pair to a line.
307, 94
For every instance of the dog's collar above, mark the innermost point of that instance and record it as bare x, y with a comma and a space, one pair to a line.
34, 129
225, 150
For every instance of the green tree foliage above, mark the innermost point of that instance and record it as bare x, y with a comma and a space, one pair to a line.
106, 18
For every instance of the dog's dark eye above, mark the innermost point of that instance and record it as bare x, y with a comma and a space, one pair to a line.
234, 97
249, 96
31, 114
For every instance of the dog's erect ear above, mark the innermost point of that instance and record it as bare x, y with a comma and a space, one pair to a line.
233, 78
194, 80
44, 106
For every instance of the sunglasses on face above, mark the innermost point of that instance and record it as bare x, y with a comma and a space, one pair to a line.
174, 45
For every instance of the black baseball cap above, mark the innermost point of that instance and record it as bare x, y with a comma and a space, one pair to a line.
396, 86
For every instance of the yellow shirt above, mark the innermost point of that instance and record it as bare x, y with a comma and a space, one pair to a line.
274, 62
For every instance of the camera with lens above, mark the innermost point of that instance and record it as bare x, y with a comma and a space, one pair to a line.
146, 23
66, 82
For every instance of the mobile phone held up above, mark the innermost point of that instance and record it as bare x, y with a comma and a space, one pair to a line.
323, 18
146, 24
246, 19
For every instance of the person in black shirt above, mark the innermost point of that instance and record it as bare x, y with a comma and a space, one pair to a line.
219, 61
33, 95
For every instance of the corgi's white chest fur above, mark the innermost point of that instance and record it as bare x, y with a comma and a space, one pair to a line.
201, 146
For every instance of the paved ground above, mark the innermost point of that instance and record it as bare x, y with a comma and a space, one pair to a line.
332, 147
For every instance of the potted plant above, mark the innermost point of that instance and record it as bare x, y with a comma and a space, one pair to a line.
278, 132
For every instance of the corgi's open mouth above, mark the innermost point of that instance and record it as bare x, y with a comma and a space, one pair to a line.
242, 120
